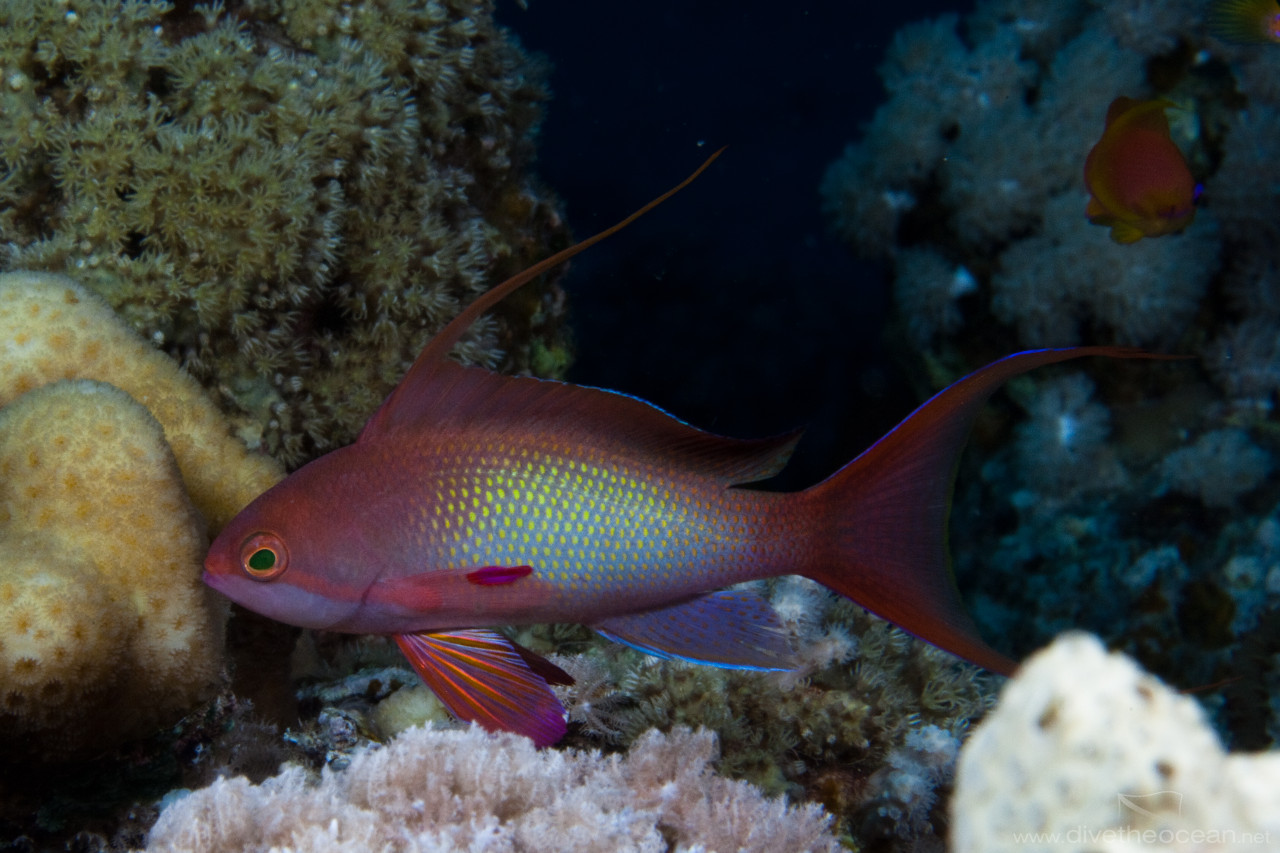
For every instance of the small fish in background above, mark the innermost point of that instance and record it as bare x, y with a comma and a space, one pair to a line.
1137, 178
475, 499
1245, 21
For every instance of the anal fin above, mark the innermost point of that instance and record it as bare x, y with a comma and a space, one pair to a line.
734, 628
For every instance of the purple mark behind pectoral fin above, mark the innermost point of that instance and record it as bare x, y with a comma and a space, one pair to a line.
494, 575
735, 629
482, 676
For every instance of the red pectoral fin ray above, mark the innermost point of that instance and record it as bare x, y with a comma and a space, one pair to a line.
734, 629
482, 677
449, 397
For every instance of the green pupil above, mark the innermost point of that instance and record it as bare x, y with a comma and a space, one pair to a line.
262, 560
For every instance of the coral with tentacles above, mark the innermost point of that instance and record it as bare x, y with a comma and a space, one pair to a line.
287, 197
1135, 490
467, 790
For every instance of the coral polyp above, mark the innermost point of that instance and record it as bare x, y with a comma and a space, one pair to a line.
288, 198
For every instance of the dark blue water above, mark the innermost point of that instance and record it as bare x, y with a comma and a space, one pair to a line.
730, 306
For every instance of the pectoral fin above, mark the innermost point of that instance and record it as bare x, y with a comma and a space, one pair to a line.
735, 629
482, 676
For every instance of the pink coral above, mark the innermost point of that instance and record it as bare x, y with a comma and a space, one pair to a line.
455, 790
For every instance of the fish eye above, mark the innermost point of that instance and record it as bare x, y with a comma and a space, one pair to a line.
263, 556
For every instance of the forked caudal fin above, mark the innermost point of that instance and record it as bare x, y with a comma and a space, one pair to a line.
888, 508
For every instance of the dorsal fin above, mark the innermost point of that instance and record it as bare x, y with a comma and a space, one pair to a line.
1128, 113
417, 380
488, 405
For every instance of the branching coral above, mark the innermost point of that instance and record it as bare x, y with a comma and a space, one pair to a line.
434, 790
105, 629
289, 198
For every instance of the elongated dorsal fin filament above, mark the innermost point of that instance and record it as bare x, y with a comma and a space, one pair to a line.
416, 385
446, 338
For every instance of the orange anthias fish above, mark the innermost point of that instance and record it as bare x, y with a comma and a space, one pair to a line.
1138, 179
1245, 21
473, 499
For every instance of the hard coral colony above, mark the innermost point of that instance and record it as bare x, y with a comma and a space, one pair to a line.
106, 632
370, 98
287, 198
108, 492
1168, 533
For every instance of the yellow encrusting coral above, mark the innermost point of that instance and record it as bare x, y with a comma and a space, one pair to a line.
105, 629
51, 329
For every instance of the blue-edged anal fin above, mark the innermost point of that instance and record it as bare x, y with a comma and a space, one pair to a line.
483, 677
733, 628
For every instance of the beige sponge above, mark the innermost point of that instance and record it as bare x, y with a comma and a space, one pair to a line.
1085, 751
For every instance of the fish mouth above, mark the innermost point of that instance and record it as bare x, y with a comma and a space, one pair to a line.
211, 580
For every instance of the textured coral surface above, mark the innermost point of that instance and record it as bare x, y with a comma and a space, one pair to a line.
1138, 502
287, 197
105, 629
432, 790
52, 328
1085, 751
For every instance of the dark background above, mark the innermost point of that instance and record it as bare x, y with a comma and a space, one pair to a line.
732, 306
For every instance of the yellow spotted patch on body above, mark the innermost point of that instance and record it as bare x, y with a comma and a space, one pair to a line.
585, 525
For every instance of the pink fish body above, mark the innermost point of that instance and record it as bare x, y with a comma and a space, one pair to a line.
548, 518
473, 499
